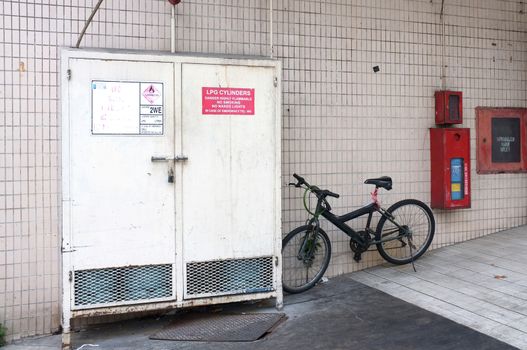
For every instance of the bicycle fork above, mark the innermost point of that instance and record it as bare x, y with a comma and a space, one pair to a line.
309, 243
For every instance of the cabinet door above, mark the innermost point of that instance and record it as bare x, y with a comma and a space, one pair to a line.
119, 205
229, 183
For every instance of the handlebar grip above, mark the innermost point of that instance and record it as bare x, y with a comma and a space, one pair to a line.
331, 194
324, 193
299, 178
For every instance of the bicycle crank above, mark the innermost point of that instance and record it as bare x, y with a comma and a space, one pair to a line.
358, 248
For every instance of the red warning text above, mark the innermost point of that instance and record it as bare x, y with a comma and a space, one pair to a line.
227, 101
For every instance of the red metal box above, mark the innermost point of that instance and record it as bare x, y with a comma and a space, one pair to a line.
501, 140
449, 107
450, 167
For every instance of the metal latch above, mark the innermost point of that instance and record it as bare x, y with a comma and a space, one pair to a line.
180, 158
66, 248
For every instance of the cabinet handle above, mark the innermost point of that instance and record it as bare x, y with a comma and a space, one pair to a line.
180, 158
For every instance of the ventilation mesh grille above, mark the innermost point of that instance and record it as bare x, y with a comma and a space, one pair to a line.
122, 284
222, 277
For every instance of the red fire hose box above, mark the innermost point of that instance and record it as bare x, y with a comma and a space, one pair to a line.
450, 167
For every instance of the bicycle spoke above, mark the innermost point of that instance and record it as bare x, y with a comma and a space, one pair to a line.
389, 232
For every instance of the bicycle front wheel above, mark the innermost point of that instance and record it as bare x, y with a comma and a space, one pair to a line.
401, 246
305, 257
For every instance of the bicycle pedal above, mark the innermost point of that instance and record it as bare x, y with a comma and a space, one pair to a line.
357, 257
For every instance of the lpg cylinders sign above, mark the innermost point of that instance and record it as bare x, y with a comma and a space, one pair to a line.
229, 101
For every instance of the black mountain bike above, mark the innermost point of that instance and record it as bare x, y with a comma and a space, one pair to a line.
404, 232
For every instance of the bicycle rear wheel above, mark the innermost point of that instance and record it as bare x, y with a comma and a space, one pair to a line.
305, 258
404, 248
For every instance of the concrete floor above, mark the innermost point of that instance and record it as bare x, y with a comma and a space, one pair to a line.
340, 314
471, 290
481, 284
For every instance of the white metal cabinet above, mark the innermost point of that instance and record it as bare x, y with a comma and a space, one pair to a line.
140, 234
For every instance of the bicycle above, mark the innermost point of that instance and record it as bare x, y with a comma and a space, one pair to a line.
404, 232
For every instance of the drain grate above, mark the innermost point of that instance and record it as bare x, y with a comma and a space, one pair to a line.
219, 327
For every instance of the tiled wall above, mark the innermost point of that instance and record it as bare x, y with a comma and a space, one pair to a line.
342, 123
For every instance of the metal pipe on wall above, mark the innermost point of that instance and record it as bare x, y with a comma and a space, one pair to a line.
173, 25
271, 48
443, 43
88, 23
173, 30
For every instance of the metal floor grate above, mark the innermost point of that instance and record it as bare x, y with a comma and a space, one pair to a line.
122, 284
234, 276
219, 327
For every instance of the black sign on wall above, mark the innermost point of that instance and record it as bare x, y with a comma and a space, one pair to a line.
506, 143
453, 107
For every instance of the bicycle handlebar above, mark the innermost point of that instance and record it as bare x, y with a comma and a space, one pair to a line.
329, 193
320, 193
301, 181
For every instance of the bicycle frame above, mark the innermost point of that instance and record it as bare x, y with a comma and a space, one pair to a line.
370, 209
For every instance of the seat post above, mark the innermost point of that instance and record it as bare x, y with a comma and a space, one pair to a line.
374, 197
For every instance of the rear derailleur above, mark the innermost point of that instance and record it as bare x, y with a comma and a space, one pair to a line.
357, 248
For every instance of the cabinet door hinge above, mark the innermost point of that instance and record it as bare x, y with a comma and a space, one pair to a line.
70, 276
68, 74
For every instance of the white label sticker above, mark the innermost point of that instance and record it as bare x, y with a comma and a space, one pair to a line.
151, 94
127, 108
115, 107
152, 110
151, 129
151, 119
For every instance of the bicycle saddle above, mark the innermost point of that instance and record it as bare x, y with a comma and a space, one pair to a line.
383, 181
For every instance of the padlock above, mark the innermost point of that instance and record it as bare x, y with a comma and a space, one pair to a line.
170, 176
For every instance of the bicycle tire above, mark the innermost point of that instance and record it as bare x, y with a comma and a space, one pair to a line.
422, 228
294, 268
